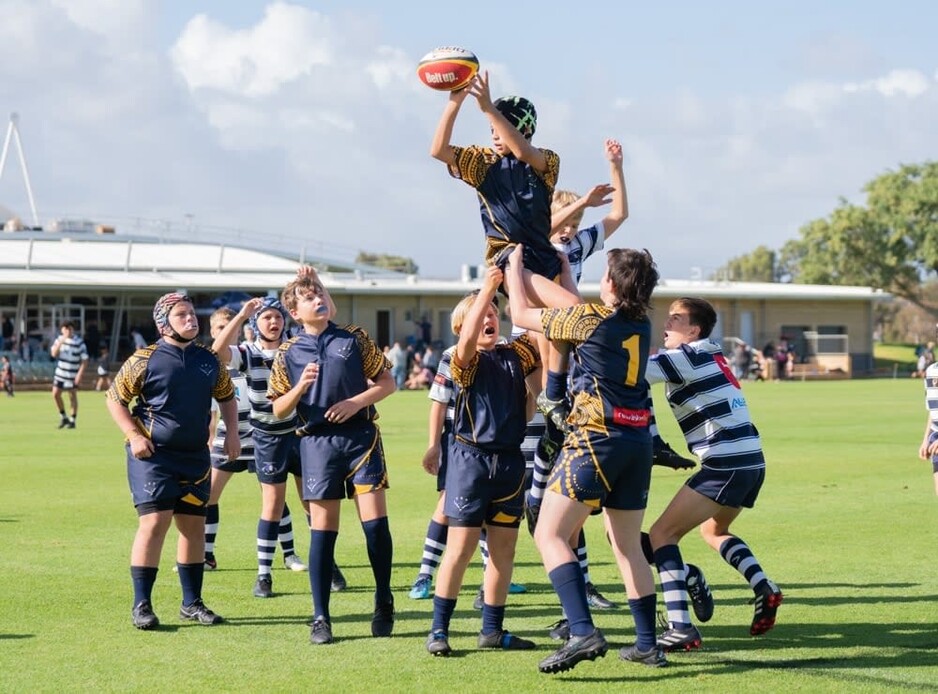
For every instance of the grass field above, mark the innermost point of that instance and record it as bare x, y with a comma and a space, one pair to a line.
847, 525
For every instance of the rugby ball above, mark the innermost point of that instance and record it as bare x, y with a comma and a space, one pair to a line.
448, 68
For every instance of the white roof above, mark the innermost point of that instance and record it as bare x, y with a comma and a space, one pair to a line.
129, 265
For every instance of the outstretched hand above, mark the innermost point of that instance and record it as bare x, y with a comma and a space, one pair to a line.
479, 88
598, 195
613, 151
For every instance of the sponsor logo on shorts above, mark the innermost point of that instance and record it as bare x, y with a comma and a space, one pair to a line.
630, 418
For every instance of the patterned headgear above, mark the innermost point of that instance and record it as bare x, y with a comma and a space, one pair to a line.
270, 302
520, 113
162, 308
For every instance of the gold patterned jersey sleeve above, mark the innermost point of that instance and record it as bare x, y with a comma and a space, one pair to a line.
552, 173
527, 352
464, 375
470, 164
574, 324
224, 387
128, 383
279, 382
373, 360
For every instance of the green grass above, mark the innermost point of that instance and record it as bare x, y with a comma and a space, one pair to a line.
900, 357
846, 524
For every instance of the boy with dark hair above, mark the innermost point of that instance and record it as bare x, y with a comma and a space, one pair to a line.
605, 461
710, 408
173, 382
332, 377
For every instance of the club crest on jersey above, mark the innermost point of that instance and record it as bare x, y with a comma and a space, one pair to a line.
345, 351
207, 368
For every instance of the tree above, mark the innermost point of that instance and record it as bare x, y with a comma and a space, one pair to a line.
891, 243
757, 266
396, 263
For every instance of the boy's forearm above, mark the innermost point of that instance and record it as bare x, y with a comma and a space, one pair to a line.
558, 219
227, 337
435, 425
441, 148
620, 200
516, 142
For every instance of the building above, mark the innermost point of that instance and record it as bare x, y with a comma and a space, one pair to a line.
107, 283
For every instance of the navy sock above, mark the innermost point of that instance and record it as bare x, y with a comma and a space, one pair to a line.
380, 555
643, 614
493, 617
321, 559
567, 580
443, 609
190, 578
556, 385
143, 578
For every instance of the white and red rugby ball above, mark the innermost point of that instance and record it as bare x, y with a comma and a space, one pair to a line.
448, 68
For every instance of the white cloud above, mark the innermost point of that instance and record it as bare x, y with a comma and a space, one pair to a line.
909, 83
288, 43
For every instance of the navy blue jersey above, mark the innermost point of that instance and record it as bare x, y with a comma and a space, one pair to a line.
347, 359
514, 200
607, 375
490, 395
173, 387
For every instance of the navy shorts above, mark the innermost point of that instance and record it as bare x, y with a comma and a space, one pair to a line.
220, 462
167, 478
276, 456
345, 462
63, 384
732, 488
603, 471
484, 487
446, 440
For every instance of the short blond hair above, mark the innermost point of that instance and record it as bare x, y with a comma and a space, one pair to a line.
561, 199
218, 314
461, 310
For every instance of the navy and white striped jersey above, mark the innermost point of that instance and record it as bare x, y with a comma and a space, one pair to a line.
255, 363
709, 405
586, 242
441, 390
72, 353
931, 395
244, 424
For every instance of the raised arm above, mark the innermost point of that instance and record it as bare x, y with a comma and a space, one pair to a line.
469, 333
229, 334
596, 197
441, 148
507, 133
620, 198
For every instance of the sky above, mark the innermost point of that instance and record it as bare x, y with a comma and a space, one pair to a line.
739, 121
